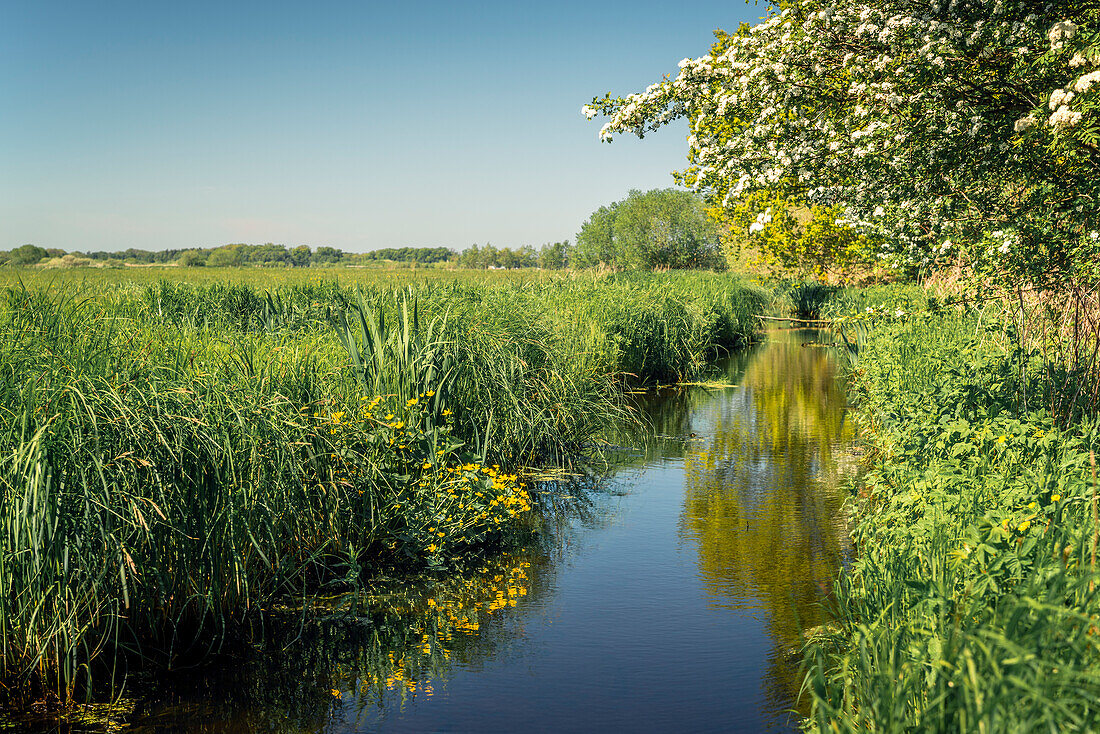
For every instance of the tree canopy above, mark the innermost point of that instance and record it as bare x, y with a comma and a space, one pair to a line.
27, 255
966, 129
658, 228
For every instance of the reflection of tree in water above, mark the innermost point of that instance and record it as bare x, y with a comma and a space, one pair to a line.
665, 416
357, 665
760, 493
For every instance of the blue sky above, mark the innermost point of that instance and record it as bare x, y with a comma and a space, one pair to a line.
356, 125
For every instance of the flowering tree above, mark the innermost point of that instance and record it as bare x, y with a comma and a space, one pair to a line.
945, 128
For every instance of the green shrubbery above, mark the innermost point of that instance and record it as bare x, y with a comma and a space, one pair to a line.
970, 605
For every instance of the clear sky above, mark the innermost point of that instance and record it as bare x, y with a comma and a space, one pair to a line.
356, 125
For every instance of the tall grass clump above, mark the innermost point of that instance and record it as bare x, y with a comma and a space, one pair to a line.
159, 487
972, 603
177, 459
806, 299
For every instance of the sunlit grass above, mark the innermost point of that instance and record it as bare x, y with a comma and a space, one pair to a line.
176, 456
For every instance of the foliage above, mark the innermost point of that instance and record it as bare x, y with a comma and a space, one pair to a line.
493, 257
410, 254
175, 459
779, 234
27, 255
922, 124
807, 299
555, 255
971, 604
659, 228
193, 259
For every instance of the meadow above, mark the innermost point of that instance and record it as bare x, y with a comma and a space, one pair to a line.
182, 449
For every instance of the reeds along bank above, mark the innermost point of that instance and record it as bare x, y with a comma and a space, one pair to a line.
175, 457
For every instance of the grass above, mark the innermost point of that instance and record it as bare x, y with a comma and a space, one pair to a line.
972, 604
176, 457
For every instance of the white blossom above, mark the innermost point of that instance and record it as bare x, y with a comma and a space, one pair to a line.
1060, 33
1026, 123
1058, 98
1064, 117
1083, 84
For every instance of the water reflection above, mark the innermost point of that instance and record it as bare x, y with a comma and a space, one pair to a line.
761, 501
348, 671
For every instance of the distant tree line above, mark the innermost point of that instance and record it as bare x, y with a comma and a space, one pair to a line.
551, 256
424, 255
656, 229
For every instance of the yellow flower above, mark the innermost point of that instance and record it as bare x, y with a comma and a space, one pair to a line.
336, 693
337, 417
429, 394
1025, 525
426, 465
1031, 505
446, 412
1055, 497
411, 402
433, 548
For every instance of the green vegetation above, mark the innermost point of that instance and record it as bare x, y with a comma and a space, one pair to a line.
178, 457
972, 602
423, 255
661, 228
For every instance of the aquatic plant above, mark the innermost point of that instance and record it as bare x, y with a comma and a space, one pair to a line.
175, 458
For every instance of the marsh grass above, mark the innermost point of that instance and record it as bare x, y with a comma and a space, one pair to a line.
176, 458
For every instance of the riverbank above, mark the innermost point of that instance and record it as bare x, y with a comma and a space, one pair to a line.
972, 602
178, 457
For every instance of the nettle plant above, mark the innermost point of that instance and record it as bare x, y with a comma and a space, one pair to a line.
964, 130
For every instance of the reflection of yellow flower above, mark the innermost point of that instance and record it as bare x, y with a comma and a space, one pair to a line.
336, 693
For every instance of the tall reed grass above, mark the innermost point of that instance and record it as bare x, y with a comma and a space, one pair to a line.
176, 458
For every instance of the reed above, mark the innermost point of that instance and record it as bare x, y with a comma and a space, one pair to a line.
176, 458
